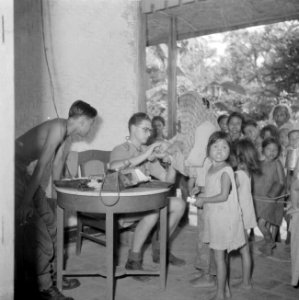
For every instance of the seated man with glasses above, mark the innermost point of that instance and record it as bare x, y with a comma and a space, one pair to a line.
135, 153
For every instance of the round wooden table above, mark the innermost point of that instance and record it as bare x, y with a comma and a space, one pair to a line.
140, 199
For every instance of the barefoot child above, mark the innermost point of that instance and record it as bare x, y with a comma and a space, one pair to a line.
223, 226
248, 164
267, 189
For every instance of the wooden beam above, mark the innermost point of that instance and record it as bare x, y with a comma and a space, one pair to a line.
141, 77
172, 81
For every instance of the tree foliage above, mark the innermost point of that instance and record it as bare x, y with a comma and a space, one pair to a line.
263, 61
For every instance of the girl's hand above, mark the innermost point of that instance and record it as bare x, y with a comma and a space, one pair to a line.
195, 190
24, 214
199, 202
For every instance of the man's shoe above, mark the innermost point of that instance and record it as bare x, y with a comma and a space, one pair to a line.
136, 265
173, 260
205, 281
53, 294
69, 284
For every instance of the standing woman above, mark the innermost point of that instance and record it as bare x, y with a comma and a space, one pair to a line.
158, 125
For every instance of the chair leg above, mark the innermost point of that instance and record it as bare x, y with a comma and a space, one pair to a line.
79, 236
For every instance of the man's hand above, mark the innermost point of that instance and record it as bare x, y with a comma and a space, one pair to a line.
199, 202
25, 212
195, 190
152, 150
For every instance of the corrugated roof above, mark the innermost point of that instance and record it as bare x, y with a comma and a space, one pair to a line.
201, 17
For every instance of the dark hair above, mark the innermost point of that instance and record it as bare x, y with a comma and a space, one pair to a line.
235, 114
81, 108
247, 154
137, 118
219, 135
292, 131
221, 117
273, 131
158, 118
249, 122
278, 107
271, 140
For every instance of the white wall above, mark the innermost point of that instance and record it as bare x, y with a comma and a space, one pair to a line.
92, 49
6, 151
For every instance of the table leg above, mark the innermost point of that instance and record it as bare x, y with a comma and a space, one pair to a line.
59, 250
110, 254
163, 245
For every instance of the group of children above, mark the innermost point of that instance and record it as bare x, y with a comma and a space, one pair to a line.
247, 182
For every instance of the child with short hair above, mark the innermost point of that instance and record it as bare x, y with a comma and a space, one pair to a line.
266, 186
223, 226
248, 164
222, 122
269, 131
251, 130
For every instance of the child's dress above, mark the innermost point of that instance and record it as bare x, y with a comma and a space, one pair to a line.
223, 225
245, 199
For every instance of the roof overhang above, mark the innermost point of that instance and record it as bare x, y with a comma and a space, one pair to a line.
201, 17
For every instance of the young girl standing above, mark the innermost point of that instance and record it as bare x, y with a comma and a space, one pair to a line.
223, 226
248, 164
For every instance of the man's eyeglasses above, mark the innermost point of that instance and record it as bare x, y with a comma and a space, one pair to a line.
146, 129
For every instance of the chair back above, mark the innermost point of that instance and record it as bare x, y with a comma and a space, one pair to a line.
93, 162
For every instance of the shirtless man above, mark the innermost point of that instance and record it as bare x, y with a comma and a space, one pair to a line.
35, 225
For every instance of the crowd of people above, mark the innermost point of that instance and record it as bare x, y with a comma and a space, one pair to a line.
248, 179
251, 181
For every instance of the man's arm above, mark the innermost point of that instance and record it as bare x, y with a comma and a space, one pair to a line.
117, 164
60, 159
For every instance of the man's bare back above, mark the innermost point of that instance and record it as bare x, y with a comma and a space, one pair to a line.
29, 146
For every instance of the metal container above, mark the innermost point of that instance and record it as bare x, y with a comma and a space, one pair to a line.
291, 159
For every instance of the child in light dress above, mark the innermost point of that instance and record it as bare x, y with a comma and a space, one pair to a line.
223, 225
267, 189
248, 164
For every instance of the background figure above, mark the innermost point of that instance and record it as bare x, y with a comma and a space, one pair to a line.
158, 126
269, 130
266, 186
222, 122
251, 130
281, 116
234, 123
293, 212
248, 164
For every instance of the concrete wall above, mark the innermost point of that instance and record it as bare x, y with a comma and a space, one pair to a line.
92, 51
6, 151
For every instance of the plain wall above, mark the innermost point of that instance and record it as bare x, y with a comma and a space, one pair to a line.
6, 151
92, 49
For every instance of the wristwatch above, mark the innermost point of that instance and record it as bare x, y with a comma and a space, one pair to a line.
127, 163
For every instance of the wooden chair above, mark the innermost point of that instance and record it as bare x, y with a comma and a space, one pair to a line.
91, 162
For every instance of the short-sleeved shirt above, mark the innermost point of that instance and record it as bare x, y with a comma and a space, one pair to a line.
128, 150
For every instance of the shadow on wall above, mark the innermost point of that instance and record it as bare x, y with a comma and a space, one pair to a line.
29, 72
30, 65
